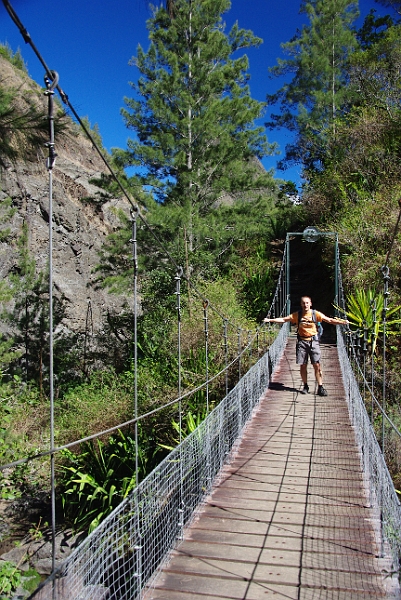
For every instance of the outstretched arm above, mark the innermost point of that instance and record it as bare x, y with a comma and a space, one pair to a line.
278, 319
334, 320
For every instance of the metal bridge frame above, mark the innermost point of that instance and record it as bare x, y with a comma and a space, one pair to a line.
311, 234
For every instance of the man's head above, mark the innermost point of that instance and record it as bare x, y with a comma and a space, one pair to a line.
306, 303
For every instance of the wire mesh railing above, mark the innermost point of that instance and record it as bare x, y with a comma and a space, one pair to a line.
383, 497
382, 494
122, 556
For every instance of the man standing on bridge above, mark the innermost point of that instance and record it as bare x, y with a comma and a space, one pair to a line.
307, 340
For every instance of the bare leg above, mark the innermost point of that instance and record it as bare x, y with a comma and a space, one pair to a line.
304, 373
318, 373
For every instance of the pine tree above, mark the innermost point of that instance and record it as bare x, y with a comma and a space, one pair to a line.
192, 112
365, 153
20, 128
317, 93
376, 71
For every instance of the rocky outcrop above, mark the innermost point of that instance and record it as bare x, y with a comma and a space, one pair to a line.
79, 226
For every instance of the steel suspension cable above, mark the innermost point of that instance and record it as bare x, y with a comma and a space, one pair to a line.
104, 432
63, 95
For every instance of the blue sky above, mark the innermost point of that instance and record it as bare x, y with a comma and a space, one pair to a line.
89, 44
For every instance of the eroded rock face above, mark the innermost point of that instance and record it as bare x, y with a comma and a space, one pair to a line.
79, 227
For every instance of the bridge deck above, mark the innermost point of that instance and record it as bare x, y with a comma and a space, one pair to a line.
290, 518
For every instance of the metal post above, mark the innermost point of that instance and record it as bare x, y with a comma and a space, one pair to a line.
336, 257
178, 306
225, 323
364, 352
239, 353
206, 331
133, 241
209, 449
287, 272
386, 279
50, 86
374, 314
139, 563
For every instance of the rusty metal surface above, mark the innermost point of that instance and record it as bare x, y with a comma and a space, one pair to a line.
290, 518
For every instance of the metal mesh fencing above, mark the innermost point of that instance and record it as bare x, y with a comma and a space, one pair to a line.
382, 495
122, 556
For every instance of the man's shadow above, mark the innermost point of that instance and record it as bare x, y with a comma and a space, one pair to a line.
280, 387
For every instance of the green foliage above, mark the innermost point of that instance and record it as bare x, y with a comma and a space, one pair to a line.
16, 401
360, 163
31, 580
15, 58
375, 72
257, 290
97, 480
189, 424
220, 238
94, 132
7, 354
21, 129
6, 213
226, 238
373, 29
36, 532
85, 407
365, 311
115, 259
23, 124
10, 578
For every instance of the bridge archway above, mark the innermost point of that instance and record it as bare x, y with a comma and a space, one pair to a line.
309, 271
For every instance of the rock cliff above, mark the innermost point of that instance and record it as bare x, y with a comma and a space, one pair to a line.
79, 226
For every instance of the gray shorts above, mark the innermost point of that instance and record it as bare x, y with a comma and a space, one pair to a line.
305, 350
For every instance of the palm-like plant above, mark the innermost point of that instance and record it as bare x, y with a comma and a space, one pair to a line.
365, 312
191, 422
99, 478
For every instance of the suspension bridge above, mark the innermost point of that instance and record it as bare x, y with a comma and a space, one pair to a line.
275, 494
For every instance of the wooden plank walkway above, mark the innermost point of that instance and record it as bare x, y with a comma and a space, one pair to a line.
290, 518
